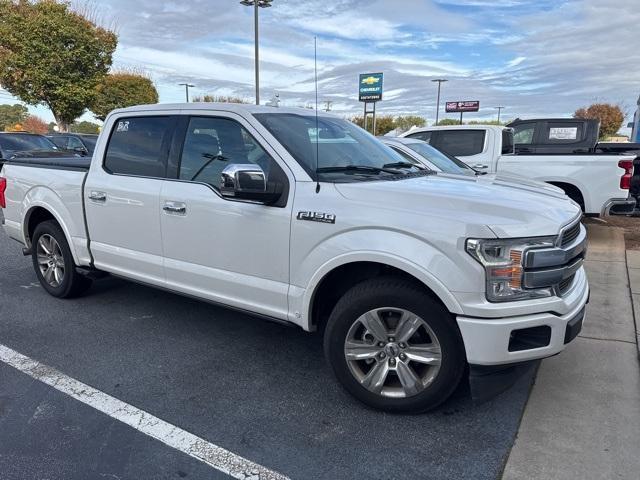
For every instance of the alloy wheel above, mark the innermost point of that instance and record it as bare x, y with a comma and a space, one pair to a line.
392, 352
50, 260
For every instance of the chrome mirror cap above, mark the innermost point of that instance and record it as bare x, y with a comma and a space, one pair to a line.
242, 178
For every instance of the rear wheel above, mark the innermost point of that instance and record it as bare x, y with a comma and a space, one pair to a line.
53, 262
394, 347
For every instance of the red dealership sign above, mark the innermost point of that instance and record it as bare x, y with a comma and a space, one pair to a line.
467, 106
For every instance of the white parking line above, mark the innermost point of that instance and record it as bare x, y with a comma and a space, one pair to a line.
217, 457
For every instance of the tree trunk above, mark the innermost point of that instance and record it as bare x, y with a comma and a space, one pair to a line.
62, 125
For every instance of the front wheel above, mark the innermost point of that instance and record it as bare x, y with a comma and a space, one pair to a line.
53, 262
394, 347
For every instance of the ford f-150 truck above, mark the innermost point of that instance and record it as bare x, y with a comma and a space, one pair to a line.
410, 274
598, 182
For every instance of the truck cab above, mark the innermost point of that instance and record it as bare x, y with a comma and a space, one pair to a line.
555, 135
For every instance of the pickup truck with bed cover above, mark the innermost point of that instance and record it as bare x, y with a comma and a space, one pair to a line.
575, 136
411, 275
598, 182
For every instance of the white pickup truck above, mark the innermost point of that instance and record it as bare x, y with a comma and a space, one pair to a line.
598, 182
410, 274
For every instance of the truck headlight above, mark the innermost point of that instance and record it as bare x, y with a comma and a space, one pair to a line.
502, 261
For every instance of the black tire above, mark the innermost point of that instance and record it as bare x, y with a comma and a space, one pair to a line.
385, 292
72, 283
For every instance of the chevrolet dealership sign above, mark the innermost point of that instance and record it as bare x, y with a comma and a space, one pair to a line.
370, 87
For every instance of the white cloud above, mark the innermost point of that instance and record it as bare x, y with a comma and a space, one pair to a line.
516, 61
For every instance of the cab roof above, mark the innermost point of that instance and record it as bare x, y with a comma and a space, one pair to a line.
215, 106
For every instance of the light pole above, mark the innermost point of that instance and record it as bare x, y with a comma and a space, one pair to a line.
499, 110
440, 81
256, 4
186, 89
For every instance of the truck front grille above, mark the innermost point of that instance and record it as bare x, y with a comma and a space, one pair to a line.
570, 234
565, 285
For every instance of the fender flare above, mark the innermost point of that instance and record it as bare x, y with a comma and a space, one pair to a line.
416, 271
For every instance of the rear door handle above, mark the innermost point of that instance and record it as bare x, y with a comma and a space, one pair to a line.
175, 208
98, 197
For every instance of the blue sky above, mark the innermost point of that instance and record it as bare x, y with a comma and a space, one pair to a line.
536, 58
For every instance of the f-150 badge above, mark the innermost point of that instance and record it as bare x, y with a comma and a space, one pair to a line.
317, 217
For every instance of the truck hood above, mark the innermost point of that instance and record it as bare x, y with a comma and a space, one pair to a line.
508, 209
521, 182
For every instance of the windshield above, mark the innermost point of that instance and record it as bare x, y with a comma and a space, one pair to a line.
21, 141
341, 147
446, 163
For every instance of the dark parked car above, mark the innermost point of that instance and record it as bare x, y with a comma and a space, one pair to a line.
21, 144
81, 143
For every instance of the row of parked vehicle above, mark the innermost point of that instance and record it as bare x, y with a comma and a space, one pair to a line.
25, 144
422, 260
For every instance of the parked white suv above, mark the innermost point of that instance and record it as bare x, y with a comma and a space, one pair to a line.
410, 274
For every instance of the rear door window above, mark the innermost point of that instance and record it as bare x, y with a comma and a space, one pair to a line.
139, 146
460, 143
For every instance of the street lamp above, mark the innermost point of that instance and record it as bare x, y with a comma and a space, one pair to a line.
186, 89
499, 110
440, 81
256, 4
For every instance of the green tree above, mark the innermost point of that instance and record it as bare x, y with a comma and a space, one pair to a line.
611, 117
220, 99
52, 55
384, 123
485, 122
84, 127
10, 115
405, 122
449, 121
122, 89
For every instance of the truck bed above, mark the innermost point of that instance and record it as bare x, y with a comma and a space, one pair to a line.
63, 163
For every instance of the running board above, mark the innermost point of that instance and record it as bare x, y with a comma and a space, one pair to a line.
91, 273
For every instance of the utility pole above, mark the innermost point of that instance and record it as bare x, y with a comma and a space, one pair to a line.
499, 110
186, 89
256, 4
440, 81
327, 105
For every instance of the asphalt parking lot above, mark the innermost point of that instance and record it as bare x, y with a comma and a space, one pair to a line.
258, 389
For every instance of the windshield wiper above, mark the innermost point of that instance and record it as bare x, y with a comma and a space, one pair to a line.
356, 168
402, 165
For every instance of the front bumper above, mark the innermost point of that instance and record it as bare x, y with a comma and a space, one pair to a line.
497, 341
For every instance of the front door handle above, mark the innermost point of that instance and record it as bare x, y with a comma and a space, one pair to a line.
175, 208
479, 166
99, 197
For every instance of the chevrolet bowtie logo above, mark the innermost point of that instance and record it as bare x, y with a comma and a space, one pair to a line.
370, 80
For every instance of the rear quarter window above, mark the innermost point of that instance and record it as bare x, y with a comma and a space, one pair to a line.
563, 132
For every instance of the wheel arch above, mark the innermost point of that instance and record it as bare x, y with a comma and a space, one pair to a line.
573, 192
38, 213
335, 277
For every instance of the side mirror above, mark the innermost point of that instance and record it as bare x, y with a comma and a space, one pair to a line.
247, 181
